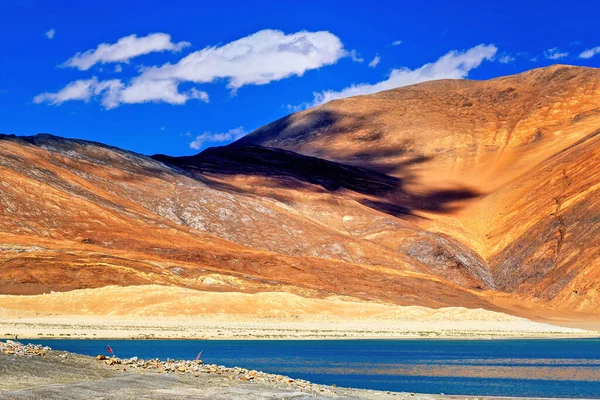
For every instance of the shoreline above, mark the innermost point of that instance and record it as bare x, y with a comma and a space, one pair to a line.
127, 328
50, 377
591, 336
324, 338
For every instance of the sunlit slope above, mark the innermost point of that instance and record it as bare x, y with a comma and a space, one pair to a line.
481, 194
82, 215
480, 134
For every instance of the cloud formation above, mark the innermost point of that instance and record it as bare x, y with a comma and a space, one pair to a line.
555, 54
230, 135
113, 93
589, 53
397, 43
355, 57
50, 34
453, 65
506, 59
83, 90
257, 59
123, 50
375, 61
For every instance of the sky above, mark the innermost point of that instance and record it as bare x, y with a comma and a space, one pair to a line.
177, 77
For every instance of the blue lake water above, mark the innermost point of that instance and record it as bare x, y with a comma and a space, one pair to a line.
542, 368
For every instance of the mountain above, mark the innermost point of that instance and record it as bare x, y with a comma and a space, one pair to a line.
448, 132
481, 194
78, 214
525, 146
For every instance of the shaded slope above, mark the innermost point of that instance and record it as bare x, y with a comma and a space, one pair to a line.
283, 172
295, 171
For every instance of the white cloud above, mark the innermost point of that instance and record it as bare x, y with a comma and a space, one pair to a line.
397, 43
230, 135
118, 68
258, 59
555, 54
294, 108
143, 90
82, 90
113, 93
453, 65
50, 34
375, 61
506, 59
589, 53
354, 56
123, 50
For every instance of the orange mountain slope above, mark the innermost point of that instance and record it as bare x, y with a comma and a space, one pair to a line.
77, 214
462, 193
525, 146
449, 132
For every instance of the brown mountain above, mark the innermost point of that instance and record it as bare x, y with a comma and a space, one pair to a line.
78, 214
525, 146
467, 193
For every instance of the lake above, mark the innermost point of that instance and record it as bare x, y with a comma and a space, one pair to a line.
542, 368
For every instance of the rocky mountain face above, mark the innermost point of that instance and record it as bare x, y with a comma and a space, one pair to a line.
443, 193
77, 214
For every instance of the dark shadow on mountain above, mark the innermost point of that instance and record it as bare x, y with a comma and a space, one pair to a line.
302, 127
290, 170
277, 163
293, 131
400, 158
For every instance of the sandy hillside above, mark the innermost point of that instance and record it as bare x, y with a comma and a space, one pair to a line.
164, 312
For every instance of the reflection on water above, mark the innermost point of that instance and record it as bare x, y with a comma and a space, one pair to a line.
542, 373
517, 368
545, 368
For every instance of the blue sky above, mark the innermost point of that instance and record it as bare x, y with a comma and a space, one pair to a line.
175, 77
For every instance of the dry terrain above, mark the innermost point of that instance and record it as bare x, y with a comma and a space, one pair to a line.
454, 197
170, 312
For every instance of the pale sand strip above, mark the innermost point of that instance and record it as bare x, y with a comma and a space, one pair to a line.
169, 312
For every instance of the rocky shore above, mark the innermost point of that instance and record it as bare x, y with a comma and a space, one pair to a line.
197, 367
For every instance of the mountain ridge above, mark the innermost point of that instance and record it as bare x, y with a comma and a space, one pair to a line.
410, 196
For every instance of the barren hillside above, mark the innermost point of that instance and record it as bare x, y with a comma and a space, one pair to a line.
480, 194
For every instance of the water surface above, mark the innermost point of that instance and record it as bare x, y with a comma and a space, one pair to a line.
543, 368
